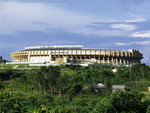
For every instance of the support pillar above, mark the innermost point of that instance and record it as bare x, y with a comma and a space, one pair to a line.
28, 57
50, 57
112, 61
117, 63
124, 62
103, 59
108, 60
121, 63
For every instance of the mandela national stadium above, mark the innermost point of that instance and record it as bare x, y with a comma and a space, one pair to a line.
76, 54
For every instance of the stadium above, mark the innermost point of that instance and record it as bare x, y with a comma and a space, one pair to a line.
76, 54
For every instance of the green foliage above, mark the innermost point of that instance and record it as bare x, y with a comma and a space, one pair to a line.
34, 101
2, 87
148, 109
46, 109
39, 89
50, 98
122, 102
47, 77
74, 90
11, 104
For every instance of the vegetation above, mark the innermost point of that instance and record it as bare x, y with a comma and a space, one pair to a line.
66, 89
122, 102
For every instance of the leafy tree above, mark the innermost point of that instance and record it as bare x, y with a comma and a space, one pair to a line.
33, 100
74, 90
108, 85
148, 109
46, 109
47, 77
121, 102
2, 87
11, 104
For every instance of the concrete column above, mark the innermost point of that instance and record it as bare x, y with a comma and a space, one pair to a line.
127, 61
29, 56
117, 61
121, 63
124, 62
80, 57
76, 57
108, 60
99, 59
103, 59
112, 61
50, 57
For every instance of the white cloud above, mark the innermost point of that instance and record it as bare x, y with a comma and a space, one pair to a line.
101, 32
15, 16
124, 26
138, 19
37, 16
38, 0
28, 16
121, 44
144, 43
141, 34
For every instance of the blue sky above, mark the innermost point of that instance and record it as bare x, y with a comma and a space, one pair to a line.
109, 24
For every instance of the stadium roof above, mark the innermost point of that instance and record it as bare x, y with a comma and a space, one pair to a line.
63, 47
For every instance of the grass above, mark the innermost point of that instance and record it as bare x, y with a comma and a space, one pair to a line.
140, 85
17, 66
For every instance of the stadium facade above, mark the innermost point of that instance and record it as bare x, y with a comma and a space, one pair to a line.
76, 54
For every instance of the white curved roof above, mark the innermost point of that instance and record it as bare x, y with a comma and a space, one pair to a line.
55, 46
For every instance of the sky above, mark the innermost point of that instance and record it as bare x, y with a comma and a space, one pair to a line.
104, 24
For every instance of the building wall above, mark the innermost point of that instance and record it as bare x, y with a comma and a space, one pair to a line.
97, 56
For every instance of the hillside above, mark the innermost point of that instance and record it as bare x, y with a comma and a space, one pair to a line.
67, 89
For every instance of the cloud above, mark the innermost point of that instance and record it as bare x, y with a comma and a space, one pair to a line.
130, 1
38, 1
128, 4
121, 44
141, 34
15, 16
43, 17
124, 26
97, 32
136, 19
143, 43
18, 16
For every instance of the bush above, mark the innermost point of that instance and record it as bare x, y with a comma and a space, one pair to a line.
11, 104
122, 102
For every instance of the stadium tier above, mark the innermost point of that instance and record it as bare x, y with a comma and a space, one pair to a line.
76, 54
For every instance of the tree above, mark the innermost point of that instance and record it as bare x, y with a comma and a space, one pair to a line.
74, 90
121, 102
47, 77
2, 87
148, 109
11, 104
108, 85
